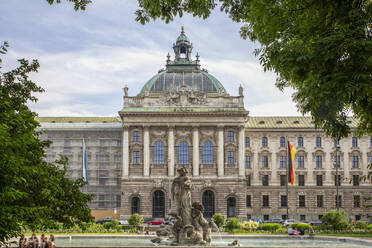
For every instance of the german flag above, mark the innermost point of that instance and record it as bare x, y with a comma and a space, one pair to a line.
291, 157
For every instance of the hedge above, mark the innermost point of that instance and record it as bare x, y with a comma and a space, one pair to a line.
272, 227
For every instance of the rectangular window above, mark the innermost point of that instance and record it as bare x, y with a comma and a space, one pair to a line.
230, 157
266, 217
283, 201
264, 142
320, 216
302, 217
301, 199
118, 142
136, 136
283, 161
265, 161
300, 162
265, 201
283, 180
248, 201
284, 217
338, 201
336, 143
355, 180
318, 161
136, 157
248, 177
336, 160
356, 201
301, 180
358, 217
230, 136
102, 142
247, 161
319, 201
247, 142
265, 180
355, 161
319, 180
318, 141
338, 180
67, 143
354, 142
300, 142
102, 181
282, 142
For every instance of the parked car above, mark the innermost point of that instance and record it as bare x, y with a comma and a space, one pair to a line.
123, 222
290, 222
157, 221
316, 223
104, 220
275, 220
167, 222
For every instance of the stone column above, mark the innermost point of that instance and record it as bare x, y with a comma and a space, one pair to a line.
195, 151
220, 154
125, 144
241, 152
171, 151
146, 151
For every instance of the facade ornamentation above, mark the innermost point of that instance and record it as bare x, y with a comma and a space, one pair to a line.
183, 97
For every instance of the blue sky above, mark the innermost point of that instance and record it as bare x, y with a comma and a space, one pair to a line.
87, 57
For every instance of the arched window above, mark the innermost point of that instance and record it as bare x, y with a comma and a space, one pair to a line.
231, 207
183, 153
158, 204
208, 153
208, 203
135, 205
159, 152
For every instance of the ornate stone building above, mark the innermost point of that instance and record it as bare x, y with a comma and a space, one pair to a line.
183, 117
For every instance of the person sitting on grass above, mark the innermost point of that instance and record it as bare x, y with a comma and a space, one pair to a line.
311, 232
33, 241
51, 243
22, 241
290, 231
43, 241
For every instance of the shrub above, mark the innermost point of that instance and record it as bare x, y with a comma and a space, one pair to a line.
96, 228
298, 226
219, 220
111, 225
282, 230
249, 226
233, 223
337, 220
369, 227
135, 220
361, 225
271, 227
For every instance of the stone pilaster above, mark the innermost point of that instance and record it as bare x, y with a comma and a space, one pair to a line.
220, 154
171, 151
241, 152
146, 151
125, 165
195, 151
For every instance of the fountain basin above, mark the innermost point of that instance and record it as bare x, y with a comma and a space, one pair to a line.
254, 241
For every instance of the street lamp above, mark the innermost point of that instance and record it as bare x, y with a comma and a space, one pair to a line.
337, 164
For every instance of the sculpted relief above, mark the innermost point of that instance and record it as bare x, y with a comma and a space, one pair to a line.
183, 97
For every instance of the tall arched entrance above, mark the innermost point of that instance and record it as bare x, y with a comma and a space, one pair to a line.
158, 204
231, 207
208, 203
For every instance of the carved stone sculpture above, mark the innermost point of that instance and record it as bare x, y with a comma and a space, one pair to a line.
191, 228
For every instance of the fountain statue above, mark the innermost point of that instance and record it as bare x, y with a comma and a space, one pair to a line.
191, 228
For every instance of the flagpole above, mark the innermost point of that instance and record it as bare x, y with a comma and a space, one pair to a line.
287, 169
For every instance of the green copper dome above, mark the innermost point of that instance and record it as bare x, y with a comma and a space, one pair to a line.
196, 80
183, 70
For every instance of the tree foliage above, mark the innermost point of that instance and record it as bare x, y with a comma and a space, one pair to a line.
320, 48
135, 220
78, 4
33, 193
337, 220
219, 220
